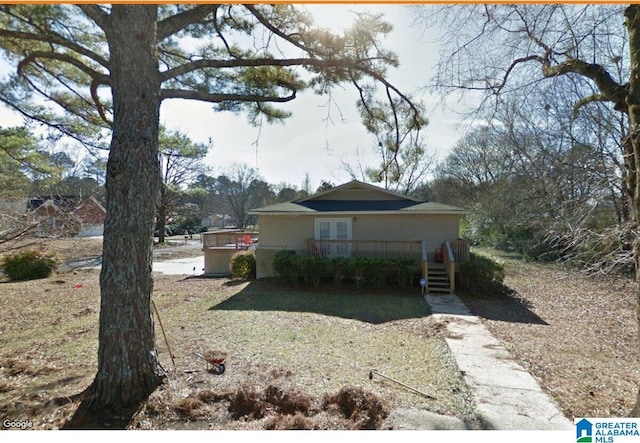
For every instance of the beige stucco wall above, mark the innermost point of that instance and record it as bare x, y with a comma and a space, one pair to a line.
216, 261
279, 232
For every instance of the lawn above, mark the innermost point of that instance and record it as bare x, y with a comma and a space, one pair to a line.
314, 343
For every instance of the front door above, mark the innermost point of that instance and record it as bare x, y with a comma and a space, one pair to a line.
334, 229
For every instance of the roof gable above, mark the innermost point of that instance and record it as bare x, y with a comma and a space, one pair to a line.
357, 191
90, 212
357, 197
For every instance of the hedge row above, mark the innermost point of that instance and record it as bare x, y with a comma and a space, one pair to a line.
362, 271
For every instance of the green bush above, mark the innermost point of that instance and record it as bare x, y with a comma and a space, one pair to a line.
243, 265
285, 264
359, 268
313, 269
374, 272
481, 275
340, 269
29, 265
377, 271
405, 271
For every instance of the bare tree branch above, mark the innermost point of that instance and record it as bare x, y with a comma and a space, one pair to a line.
586, 100
496, 89
609, 88
96, 100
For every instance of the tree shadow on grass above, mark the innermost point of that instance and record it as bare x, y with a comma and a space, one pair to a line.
374, 306
503, 305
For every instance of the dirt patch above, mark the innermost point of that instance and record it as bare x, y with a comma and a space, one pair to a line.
64, 248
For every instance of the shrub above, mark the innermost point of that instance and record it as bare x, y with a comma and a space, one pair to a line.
481, 275
243, 265
376, 272
404, 271
285, 264
29, 265
313, 269
359, 266
340, 269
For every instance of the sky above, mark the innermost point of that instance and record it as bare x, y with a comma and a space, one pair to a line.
318, 140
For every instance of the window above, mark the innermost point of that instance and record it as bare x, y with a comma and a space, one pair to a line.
333, 230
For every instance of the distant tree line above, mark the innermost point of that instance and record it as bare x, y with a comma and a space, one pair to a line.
189, 194
537, 181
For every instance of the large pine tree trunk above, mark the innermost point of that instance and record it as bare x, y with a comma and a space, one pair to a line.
128, 369
161, 221
632, 15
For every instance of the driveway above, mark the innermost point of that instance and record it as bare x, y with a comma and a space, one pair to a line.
161, 261
181, 266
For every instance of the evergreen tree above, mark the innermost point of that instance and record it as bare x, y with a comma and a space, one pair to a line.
111, 67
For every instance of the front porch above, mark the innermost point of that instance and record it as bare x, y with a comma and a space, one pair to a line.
438, 267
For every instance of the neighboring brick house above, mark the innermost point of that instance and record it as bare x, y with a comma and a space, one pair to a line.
69, 215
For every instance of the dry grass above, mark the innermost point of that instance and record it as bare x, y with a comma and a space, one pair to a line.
64, 249
289, 359
576, 334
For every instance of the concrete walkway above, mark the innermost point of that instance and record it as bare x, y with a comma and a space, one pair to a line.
506, 395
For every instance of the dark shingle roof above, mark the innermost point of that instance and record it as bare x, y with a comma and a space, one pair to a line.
388, 202
356, 205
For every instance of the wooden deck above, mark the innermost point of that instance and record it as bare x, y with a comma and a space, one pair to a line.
383, 249
228, 239
220, 246
364, 248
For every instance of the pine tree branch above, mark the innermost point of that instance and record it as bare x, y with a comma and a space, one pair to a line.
95, 13
177, 22
32, 56
219, 98
54, 39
